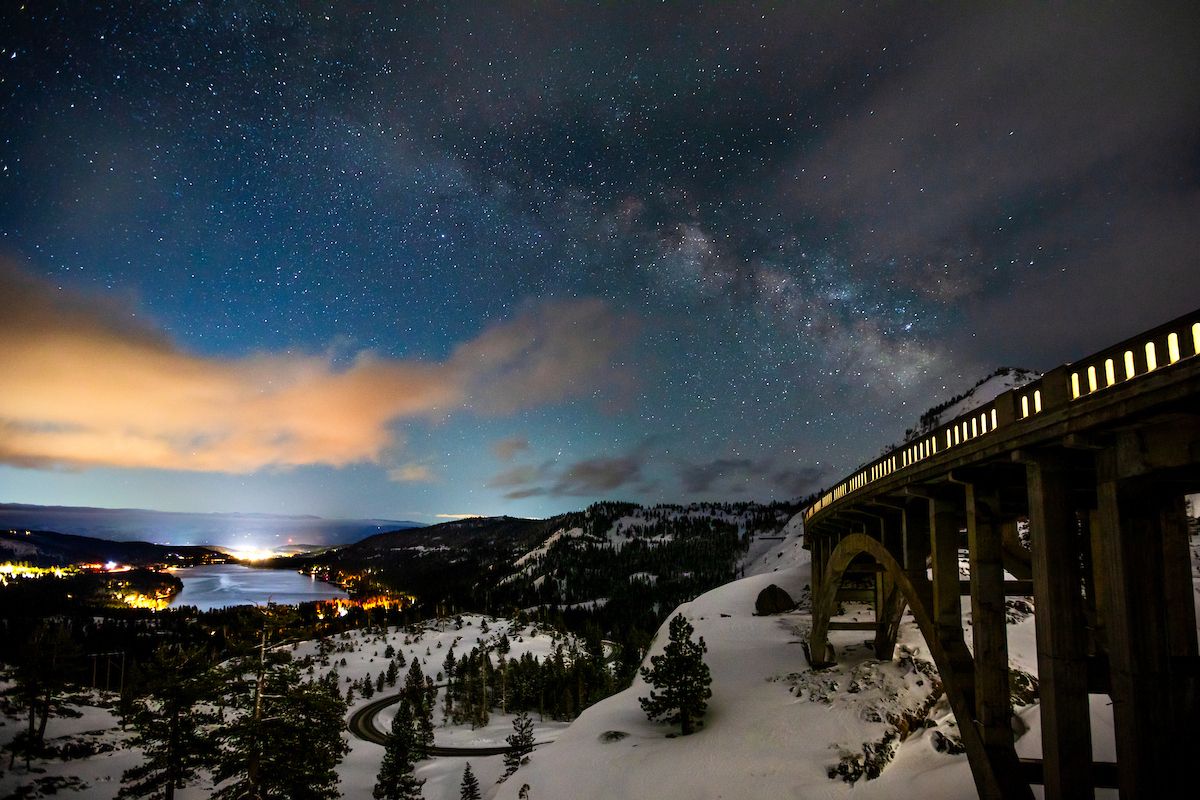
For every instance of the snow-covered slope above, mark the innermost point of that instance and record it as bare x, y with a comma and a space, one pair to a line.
774, 728
983, 392
776, 553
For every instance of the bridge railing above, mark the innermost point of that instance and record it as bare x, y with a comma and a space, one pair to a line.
1133, 358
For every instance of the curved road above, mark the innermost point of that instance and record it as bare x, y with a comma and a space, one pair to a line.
362, 725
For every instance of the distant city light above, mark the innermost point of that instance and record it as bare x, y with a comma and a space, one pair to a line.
251, 553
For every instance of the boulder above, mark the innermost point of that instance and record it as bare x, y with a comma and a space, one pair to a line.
773, 600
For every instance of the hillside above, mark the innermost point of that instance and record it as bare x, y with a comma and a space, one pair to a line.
47, 548
774, 727
613, 570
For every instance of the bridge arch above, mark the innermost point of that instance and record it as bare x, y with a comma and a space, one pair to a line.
995, 769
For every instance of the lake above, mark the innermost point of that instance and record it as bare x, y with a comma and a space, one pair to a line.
221, 585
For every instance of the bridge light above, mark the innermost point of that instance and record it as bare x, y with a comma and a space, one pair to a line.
1024, 406
993, 419
1130, 367
1151, 357
1173, 347
1110, 372
956, 439
1037, 401
1074, 385
949, 441
1092, 385
1196, 338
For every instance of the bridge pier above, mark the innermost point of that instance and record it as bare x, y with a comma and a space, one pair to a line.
1060, 629
944, 526
989, 632
1131, 559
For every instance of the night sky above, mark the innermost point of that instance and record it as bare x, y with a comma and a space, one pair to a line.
511, 258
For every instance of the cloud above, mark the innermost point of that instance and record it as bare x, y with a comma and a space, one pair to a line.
583, 478
726, 475
507, 449
412, 472
518, 475
87, 384
521, 494
548, 354
1005, 117
699, 478
601, 474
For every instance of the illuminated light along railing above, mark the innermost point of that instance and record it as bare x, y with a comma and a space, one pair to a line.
1138, 357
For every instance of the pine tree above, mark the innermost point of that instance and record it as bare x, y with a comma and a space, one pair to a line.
286, 739
42, 670
469, 789
396, 780
414, 683
392, 673
683, 677
416, 691
172, 724
424, 735
521, 743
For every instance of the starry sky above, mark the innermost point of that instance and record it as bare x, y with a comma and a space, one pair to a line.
369, 260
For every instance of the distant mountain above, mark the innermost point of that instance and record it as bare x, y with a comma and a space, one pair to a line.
621, 564
229, 530
49, 549
471, 532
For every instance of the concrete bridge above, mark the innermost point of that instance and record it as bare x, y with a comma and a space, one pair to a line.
1097, 456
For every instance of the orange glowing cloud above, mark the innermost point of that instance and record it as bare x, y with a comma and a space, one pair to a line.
87, 385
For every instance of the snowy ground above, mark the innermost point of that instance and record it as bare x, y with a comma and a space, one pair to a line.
774, 728
99, 776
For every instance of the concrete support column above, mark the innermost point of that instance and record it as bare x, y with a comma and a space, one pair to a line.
1130, 547
943, 537
1061, 631
989, 632
915, 525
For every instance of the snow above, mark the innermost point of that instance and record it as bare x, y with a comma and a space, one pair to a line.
96, 724
981, 394
541, 550
764, 735
772, 554
364, 656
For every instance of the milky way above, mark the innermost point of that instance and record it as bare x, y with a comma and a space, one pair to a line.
650, 252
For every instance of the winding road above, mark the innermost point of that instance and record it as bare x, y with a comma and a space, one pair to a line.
362, 725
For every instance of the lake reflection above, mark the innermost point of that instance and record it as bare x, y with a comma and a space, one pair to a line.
221, 585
